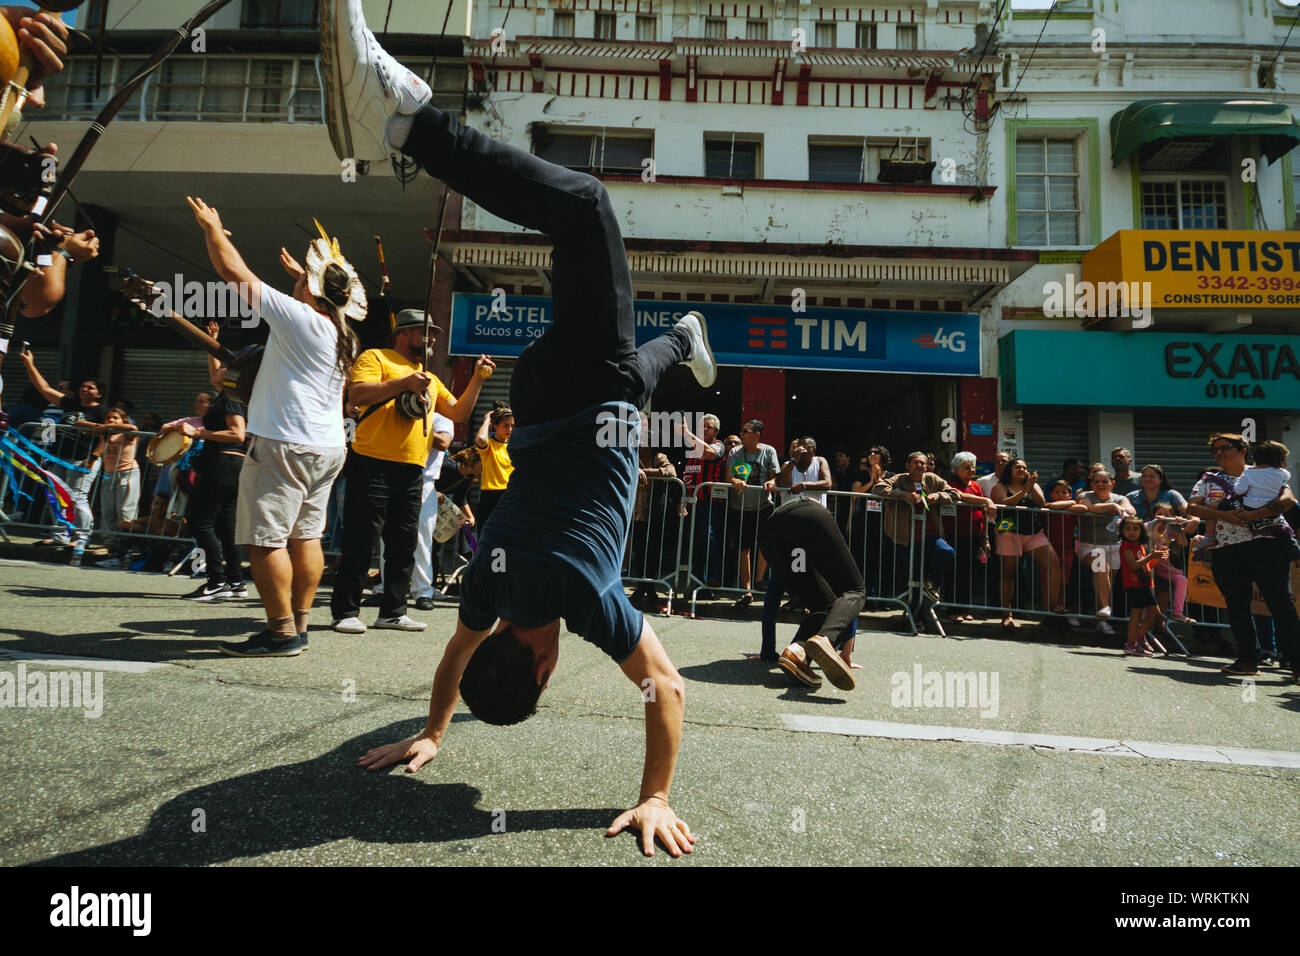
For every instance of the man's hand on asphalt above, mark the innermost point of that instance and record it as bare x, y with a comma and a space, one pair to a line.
654, 818
418, 750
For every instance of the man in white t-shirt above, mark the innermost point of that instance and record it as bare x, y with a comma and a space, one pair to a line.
296, 445
422, 588
987, 482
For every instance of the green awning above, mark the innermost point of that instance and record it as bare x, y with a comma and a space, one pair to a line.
1145, 121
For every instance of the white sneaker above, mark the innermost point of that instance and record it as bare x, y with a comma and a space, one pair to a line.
701, 362
350, 625
1104, 612
1104, 627
402, 623
364, 86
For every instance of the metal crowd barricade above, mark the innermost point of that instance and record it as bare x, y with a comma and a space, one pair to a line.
654, 546
24, 505
722, 545
1035, 564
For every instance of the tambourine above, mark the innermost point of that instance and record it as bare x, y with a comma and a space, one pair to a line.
168, 447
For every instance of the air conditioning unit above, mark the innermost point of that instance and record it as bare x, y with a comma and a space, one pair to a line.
896, 171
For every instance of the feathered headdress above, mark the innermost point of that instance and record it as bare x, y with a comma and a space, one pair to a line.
322, 253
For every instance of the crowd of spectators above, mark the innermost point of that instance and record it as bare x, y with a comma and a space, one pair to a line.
1008, 539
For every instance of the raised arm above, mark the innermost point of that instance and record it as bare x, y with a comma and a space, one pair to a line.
481, 437
225, 257
49, 393
459, 409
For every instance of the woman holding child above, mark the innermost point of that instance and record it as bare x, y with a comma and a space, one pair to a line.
1252, 544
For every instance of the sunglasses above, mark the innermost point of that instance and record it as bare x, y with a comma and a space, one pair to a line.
747, 431
1218, 449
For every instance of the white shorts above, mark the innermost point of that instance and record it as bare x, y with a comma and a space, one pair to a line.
284, 491
1094, 556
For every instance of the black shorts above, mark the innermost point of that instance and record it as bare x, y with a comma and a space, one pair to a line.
1140, 597
743, 526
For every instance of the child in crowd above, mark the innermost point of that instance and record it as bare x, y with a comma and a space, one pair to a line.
1257, 486
119, 480
1261, 483
1061, 524
1170, 532
1134, 562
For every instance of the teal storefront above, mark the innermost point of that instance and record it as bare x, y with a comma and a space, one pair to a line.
1178, 386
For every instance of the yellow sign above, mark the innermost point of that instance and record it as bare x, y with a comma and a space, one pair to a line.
1202, 590
1202, 268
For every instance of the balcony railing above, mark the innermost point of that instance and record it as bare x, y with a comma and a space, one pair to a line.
218, 88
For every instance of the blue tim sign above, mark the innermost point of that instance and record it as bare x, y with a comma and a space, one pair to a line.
858, 340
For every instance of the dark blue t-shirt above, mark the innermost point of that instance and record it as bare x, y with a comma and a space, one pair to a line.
553, 547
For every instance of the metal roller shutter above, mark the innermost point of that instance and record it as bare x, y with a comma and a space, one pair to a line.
15, 375
1053, 435
162, 380
1178, 442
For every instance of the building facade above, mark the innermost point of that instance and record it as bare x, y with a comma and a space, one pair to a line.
234, 116
888, 212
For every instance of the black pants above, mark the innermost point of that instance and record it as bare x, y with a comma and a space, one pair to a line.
487, 500
1267, 563
809, 558
211, 516
970, 576
588, 356
381, 498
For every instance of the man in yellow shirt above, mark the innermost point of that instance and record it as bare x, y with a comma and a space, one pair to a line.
385, 469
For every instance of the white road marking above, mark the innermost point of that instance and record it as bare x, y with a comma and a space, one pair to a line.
1201, 753
82, 663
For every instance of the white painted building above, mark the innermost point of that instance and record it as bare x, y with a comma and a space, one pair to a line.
895, 165
767, 179
1078, 162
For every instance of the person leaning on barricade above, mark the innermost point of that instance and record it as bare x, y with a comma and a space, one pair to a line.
119, 482
1022, 532
649, 516
752, 469
969, 533
925, 493
706, 459
84, 410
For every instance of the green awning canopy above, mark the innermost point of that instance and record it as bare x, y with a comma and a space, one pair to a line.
1144, 121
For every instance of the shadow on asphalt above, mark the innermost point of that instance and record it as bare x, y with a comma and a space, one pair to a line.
127, 644
42, 593
320, 801
744, 672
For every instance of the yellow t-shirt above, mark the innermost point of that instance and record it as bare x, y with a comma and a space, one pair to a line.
496, 465
386, 434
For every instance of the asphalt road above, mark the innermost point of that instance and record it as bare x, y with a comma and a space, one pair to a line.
202, 759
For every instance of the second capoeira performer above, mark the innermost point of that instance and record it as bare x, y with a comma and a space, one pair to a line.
808, 556
552, 550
